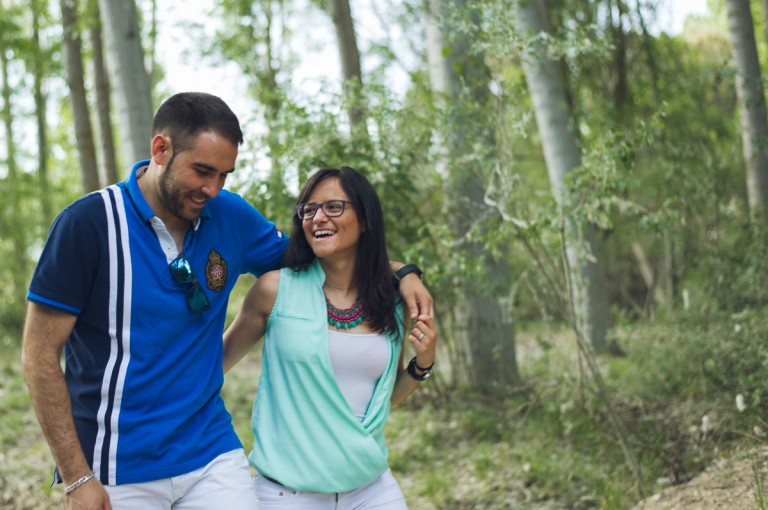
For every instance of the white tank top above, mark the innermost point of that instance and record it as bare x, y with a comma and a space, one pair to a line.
358, 361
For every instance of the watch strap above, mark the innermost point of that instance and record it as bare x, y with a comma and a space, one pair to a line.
405, 271
412, 370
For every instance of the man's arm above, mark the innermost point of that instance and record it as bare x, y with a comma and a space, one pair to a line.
417, 298
45, 332
251, 321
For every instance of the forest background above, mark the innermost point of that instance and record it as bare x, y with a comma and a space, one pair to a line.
586, 193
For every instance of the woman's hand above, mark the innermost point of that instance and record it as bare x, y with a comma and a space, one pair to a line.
423, 337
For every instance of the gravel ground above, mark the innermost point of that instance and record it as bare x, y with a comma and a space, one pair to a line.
730, 484
26, 471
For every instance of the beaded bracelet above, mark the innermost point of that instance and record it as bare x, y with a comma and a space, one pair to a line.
69, 488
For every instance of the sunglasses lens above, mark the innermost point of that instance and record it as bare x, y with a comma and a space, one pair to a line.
196, 299
182, 270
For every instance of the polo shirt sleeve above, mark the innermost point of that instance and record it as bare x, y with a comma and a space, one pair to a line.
63, 278
264, 242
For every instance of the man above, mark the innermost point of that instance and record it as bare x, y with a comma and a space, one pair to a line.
133, 285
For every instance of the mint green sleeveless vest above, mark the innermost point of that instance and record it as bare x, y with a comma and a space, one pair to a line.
305, 434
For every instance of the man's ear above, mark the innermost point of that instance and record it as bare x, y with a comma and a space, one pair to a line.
162, 149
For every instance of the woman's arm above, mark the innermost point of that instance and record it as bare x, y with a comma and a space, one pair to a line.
251, 321
423, 337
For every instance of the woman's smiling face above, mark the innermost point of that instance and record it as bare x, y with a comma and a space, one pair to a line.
332, 236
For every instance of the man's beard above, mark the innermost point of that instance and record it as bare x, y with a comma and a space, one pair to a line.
171, 197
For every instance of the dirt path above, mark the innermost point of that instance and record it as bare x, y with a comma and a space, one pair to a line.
731, 484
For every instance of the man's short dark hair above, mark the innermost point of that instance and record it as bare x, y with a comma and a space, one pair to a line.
183, 116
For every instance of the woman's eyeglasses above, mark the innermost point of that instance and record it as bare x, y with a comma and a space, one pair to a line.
331, 208
182, 272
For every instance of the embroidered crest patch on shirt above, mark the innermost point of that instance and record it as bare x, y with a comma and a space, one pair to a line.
216, 271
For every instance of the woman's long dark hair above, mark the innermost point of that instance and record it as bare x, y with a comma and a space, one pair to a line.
373, 274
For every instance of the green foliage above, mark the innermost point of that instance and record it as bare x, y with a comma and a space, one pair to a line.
15, 405
695, 386
732, 272
658, 149
725, 355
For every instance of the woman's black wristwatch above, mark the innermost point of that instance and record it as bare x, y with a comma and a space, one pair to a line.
425, 372
405, 271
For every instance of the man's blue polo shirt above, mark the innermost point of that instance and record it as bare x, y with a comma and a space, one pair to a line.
144, 371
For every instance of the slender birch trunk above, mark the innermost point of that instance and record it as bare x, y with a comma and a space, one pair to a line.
484, 336
752, 109
73, 58
128, 77
351, 72
103, 106
585, 248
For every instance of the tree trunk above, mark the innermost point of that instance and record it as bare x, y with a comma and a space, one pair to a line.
40, 113
585, 249
14, 228
89, 171
128, 77
484, 336
621, 87
650, 52
103, 108
350, 65
749, 88
647, 273
273, 105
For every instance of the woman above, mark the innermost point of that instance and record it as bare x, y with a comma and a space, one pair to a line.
333, 357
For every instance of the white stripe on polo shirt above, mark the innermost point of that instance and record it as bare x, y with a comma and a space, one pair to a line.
115, 245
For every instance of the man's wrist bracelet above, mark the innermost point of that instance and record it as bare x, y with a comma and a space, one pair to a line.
412, 366
405, 271
80, 481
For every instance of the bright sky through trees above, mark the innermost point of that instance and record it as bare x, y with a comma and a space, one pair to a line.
672, 13
320, 57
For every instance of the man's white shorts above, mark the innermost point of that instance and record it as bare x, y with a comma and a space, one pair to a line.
225, 483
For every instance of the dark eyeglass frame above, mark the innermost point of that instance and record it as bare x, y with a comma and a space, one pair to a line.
182, 272
321, 205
